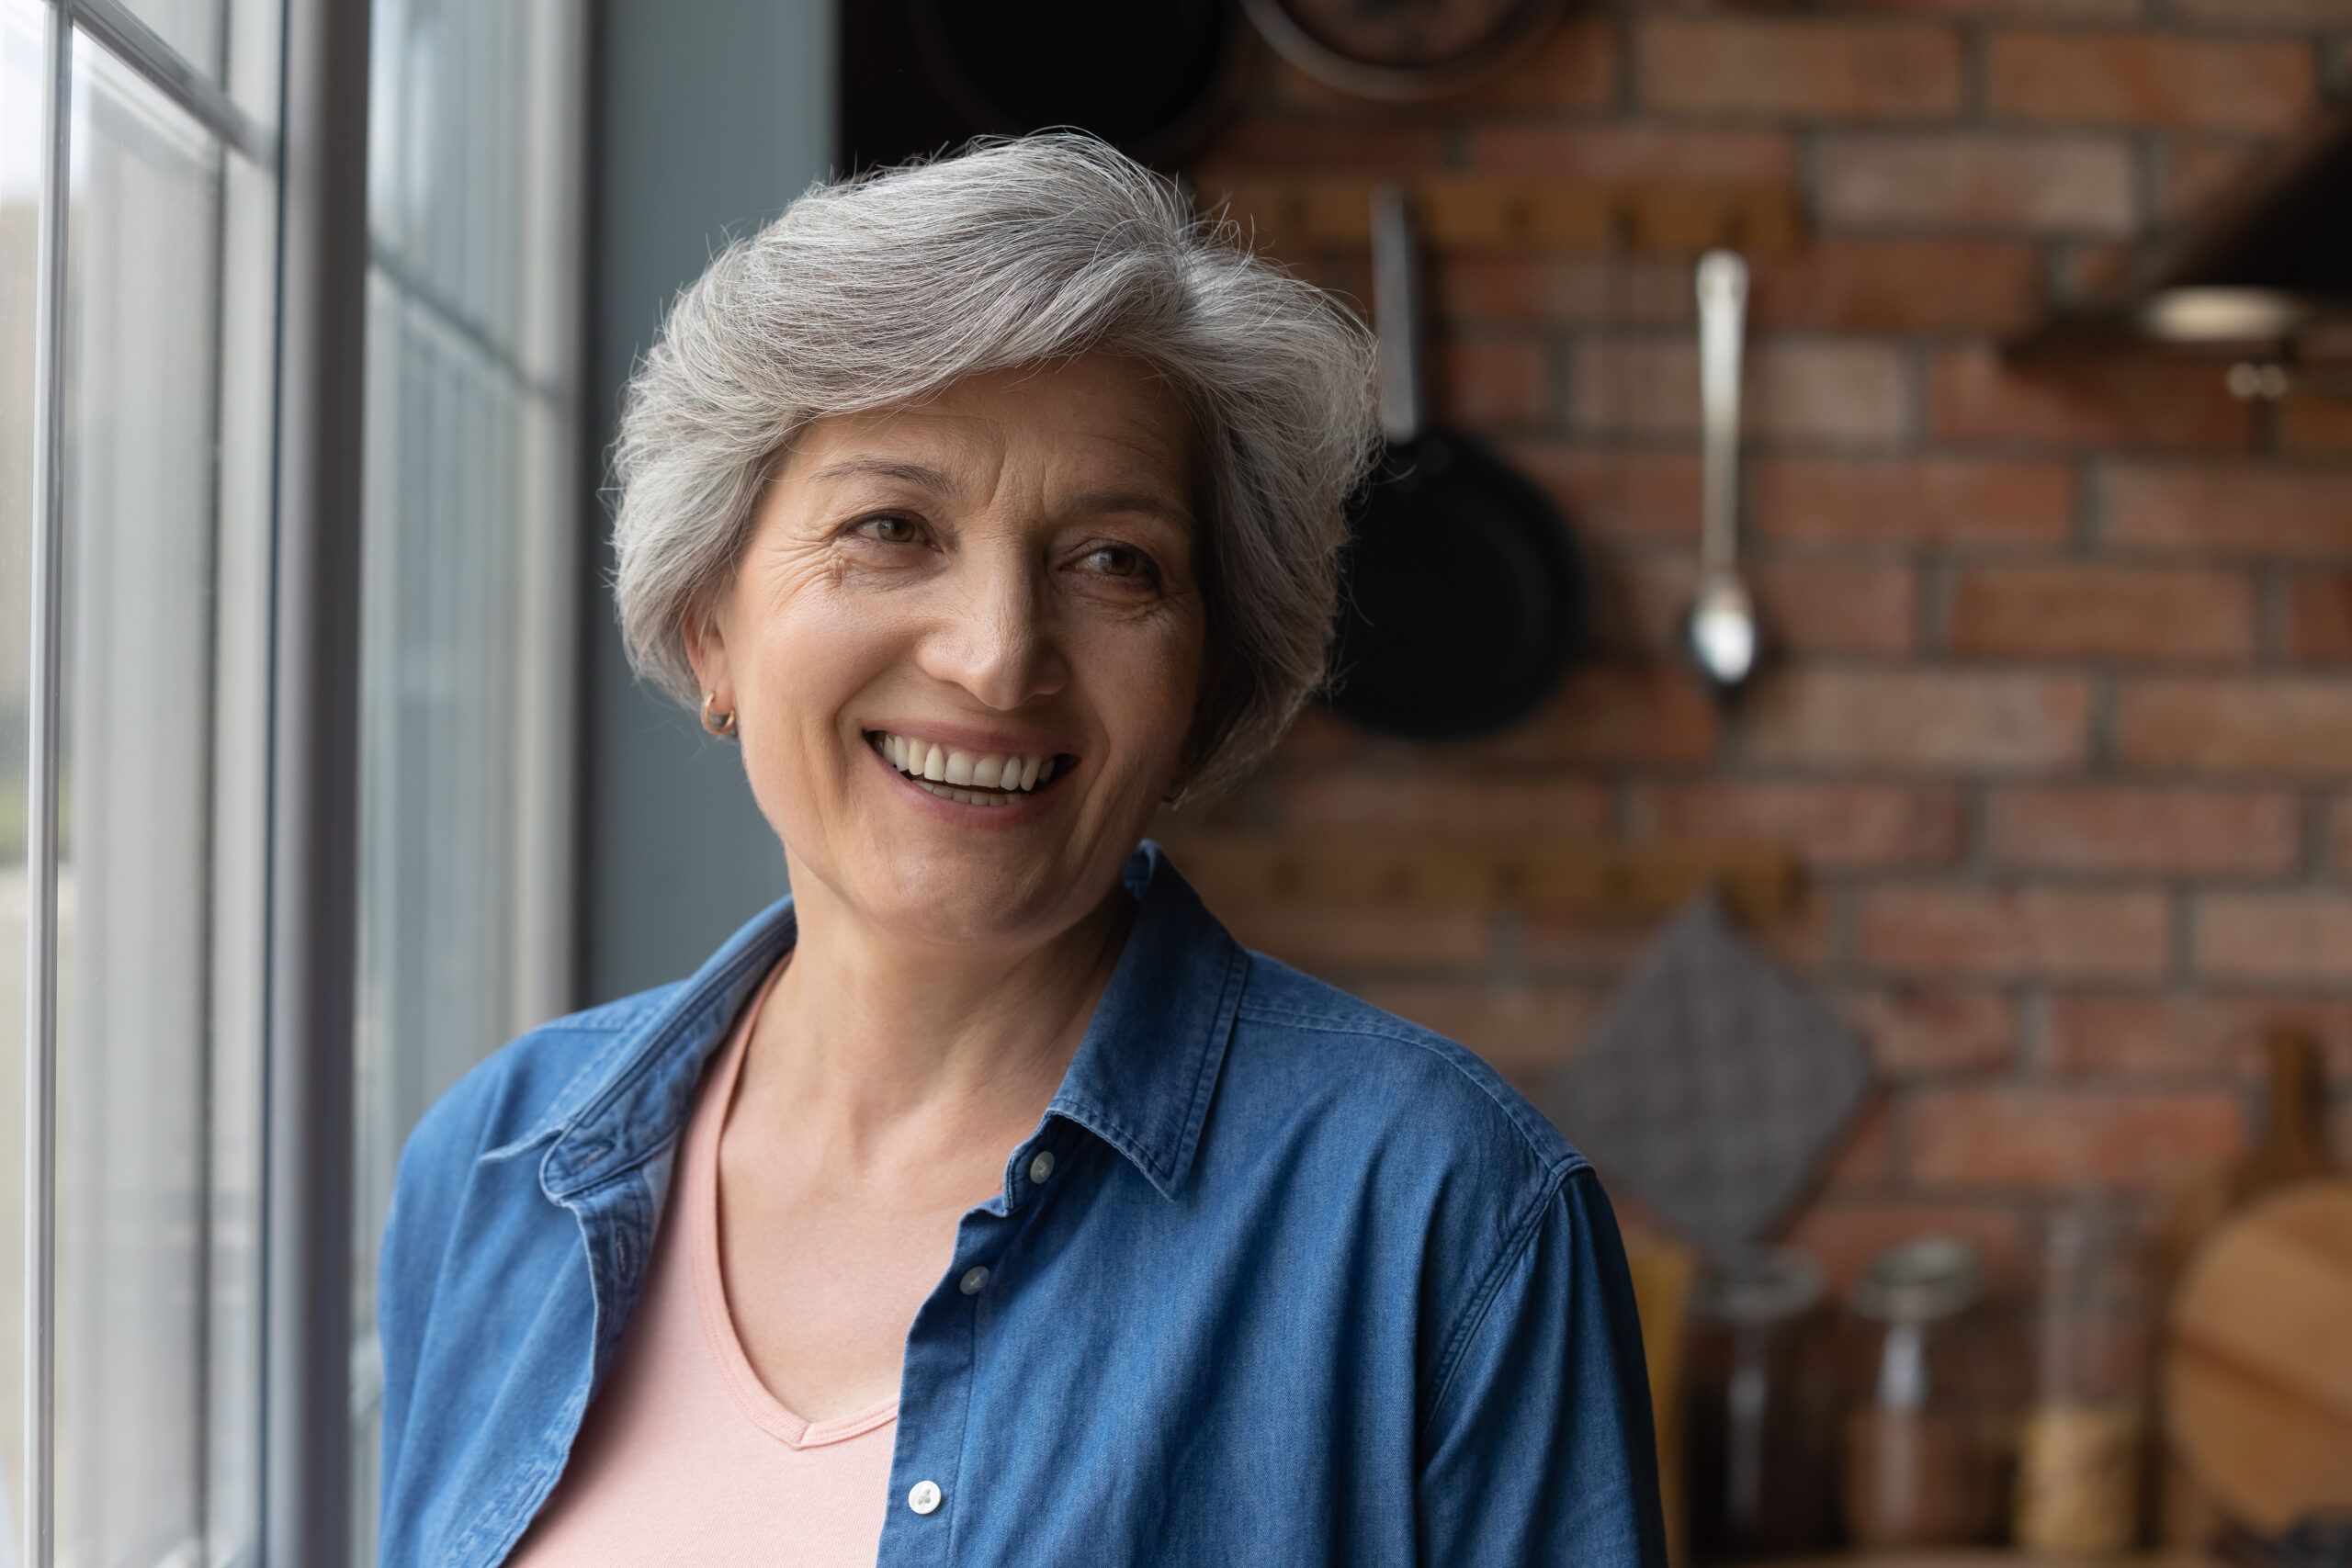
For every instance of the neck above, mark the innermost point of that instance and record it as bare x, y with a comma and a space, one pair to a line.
868, 1028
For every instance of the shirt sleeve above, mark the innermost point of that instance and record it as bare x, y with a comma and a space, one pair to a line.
1538, 1449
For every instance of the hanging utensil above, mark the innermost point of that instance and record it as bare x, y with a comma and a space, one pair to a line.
1376, 49
1463, 600
1721, 632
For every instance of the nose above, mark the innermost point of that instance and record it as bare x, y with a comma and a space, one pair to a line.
992, 637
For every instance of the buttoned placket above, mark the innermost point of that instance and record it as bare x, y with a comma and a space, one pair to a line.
927, 1485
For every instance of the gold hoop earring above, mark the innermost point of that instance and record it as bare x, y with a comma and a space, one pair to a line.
721, 726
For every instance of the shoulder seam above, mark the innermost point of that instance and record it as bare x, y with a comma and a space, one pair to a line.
1472, 1315
1419, 1042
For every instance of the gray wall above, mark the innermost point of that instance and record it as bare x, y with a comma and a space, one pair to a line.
710, 116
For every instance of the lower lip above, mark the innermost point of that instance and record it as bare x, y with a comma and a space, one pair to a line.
1017, 812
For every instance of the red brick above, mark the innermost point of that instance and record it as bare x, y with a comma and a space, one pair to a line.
2230, 508
2266, 12
1259, 143
2339, 838
1444, 805
1835, 826
1918, 1030
2275, 937
1864, 1160
2171, 832
1800, 389
2056, 184
1625, 154
1905, 500
2187, 1035
1600, 946
1828, 70
1623, 495
2319, 617
1921, 720
2061, 932
1619, 713
2289, 727
2103, 612
2125, 78
2314, 423
1576, 68
1526, 1032
1866, 607
2108, 400
1491, 381
2024, 10
1338, 938
1851, 283
2200, 170
1845, 1232
2027, 1137
1524, 288
1808, 606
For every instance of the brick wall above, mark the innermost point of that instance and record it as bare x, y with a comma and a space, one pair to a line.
2061, 721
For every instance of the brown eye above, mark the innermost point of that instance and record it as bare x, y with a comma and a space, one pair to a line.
1117, 560
890, 530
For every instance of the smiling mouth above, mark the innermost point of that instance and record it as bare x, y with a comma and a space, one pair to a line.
995, 779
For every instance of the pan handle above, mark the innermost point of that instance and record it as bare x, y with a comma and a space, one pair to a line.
1395, 314
1722, 311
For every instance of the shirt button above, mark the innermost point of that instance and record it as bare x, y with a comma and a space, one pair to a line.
1042, 1166
923, 1497
974, 1278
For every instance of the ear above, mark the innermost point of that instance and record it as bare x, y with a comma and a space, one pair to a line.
705, 645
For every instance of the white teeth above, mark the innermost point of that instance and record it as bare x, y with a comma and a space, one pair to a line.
929, 765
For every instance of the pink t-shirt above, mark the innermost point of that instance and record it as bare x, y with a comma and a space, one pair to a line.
684, 1457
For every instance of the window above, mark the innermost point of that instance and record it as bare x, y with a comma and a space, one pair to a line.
468, 577
136, 449
231, 976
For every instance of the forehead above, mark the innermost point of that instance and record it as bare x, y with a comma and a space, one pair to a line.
1093, 416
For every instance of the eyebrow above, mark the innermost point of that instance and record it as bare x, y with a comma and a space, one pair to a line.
939, 482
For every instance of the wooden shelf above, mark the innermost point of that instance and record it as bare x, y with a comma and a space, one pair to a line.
1469, 212
1628, 881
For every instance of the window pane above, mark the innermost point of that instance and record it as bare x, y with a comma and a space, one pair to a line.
465, 708
194, 28
158, 1051
23, 45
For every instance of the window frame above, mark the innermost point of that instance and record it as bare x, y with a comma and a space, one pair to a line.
318, 157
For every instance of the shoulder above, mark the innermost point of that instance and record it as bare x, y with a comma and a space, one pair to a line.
1407, 1086
515, 1089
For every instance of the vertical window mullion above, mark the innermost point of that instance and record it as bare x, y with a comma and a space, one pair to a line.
46, 698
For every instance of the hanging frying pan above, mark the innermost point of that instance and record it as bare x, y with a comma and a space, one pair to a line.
1461, 600
1403, 49
1152, 79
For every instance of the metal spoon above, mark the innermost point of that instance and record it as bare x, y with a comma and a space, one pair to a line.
1721, 632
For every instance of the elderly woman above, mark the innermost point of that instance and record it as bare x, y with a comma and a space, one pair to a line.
984, 1202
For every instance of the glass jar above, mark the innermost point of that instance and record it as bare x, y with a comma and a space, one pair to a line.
1922, 1448
1762, 1409
2078, 1452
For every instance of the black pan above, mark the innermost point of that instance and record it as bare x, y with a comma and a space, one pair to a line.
1463, 601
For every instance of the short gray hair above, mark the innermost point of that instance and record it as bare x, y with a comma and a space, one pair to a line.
885, 290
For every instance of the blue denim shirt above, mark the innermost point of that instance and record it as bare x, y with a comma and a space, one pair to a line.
1303, 1284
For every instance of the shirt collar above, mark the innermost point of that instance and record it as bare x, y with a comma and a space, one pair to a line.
1148, 1063
1141, 1081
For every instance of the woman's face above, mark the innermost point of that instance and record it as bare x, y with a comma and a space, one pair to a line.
964, 646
